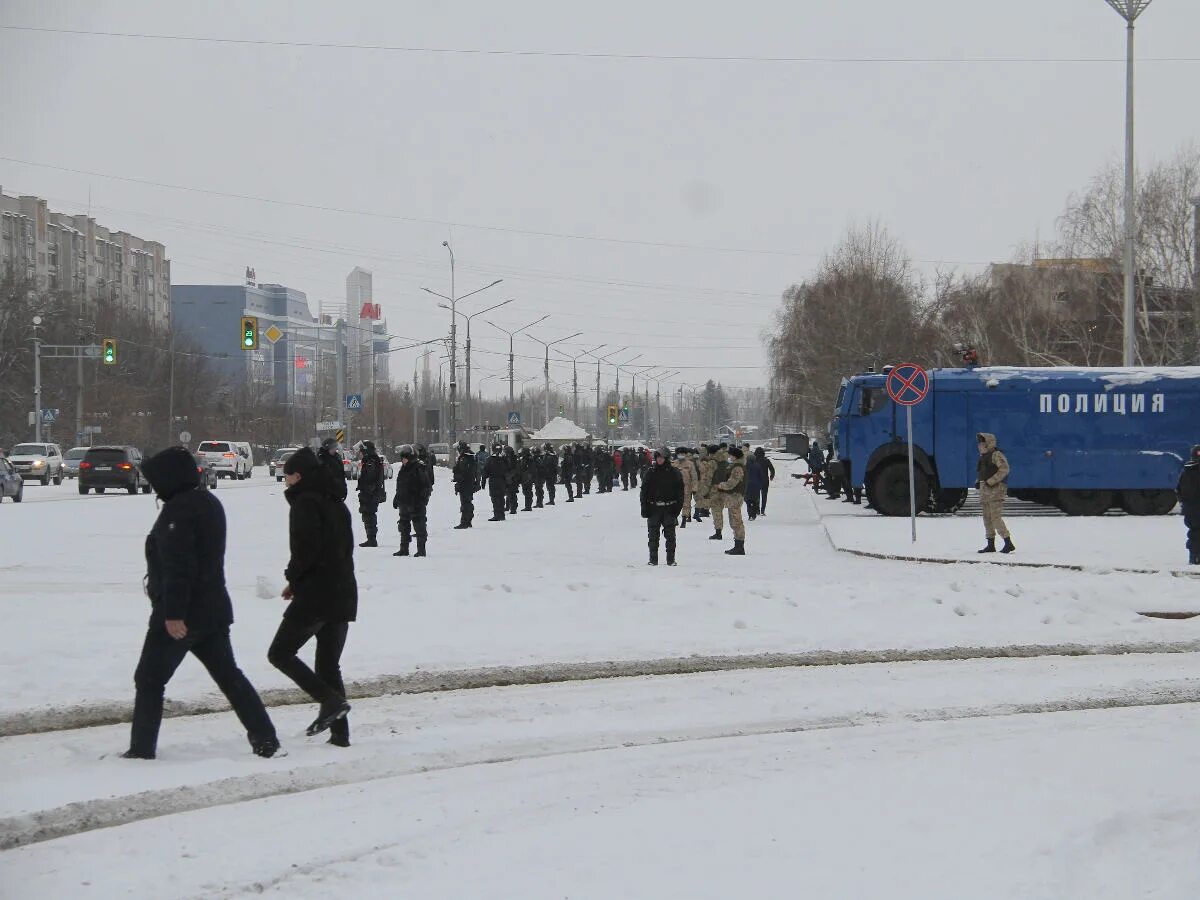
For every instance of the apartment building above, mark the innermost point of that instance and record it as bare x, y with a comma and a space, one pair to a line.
74, 255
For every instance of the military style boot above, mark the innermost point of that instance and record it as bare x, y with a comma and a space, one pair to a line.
989, 547
1008, 547
671, 557
715, 536
369, 542
403, 551
653, 557
738, 549
462, 525
683, 522
420, 547
1194, 558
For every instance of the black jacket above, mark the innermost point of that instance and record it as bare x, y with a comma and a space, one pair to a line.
333, 464
185, 550
662, 489
495, 473
370, 479
466, 474
413, 485
1189, 484
548, 464
568, 463
321, 568
426, 459
525, 468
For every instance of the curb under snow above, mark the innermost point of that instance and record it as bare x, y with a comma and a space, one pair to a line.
421, 682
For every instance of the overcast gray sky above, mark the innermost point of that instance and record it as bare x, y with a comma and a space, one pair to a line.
537, 159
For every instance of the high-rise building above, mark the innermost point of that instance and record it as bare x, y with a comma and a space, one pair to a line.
74, 255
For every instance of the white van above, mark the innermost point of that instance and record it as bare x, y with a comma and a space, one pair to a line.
228, 458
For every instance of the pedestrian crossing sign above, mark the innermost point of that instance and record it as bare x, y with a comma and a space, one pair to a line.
354, 401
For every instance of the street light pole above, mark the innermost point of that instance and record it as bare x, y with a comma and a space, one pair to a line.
600, 359
1129, 10
468, 351
575, 377
37, 381
546, 367
511, 335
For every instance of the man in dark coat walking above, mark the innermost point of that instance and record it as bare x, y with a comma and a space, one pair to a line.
190, 609
322, 590
371, 491
567, 468
413, 487
1189, 496
816, 465
662, 501
466, 483
495, 477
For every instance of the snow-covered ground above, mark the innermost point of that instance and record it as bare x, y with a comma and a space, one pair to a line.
1055, 777
561, 584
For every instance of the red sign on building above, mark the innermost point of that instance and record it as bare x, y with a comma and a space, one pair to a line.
371, 311
301, 362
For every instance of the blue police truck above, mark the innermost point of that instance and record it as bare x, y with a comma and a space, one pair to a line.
1083, 439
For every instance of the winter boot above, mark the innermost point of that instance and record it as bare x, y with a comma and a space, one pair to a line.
683, 523
715, 536
496, 519
461, 525
738, 549
990, 547
653, 557
339, 740
328, 715
1194, 558
369, 542
1008, 547
136, 754
670, 557
268, 747
420, 547
403, 551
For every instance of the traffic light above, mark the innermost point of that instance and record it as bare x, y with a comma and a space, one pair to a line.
627, 410
249, 332
612, 415
108, 351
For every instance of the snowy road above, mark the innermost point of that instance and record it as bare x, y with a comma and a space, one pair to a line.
565, 584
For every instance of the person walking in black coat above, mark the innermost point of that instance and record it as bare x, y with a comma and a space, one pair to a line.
331, 458
549, 469
768, 471
190, 609
413, 487
371, 491
662, 502
466, 483
322, 590
1189, 495
495, 477
567, 468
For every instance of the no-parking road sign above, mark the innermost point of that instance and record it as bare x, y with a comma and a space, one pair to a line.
908, 384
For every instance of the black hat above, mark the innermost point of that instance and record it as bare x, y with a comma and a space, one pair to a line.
407, 452
736, 452
462, 447
712, 448
172, 472
302, 461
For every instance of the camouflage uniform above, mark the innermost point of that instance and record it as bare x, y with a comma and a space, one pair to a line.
719, 471
730, 494
707, 466
684, 465
993, 488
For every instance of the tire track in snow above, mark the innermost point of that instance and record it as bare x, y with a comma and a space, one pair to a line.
422, 682
110, 812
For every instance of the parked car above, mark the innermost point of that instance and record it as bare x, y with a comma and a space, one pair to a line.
282, 455
71, 460
208, 475
38, 462
441, 454
351, 464
11, 484
112, 467
227, 459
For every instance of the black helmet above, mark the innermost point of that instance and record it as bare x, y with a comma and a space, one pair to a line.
407, 452
548, 447
329, 443
1196, 452
462, 447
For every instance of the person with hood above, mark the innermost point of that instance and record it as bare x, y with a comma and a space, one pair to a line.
768, 475
190, 608
729, 489
567, 468
322, 590
330, 456
683, 464
662, 497
816, 465
1189, 496
754, 479
413, 487
549, 464
992, 481
371, 490
466, 483
495, 477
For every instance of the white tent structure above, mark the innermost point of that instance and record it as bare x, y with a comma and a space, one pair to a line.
559, 431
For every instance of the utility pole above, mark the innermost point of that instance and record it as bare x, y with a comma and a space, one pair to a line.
600, 359
546, 367
171, 392
575, 376
511, 335
340, 375
37, 381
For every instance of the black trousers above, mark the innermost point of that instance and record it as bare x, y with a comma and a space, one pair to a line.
766, 489
583, 485
568, 481
527, 490
661, 520
499, 501
512, 497
539, 489
161, 656
550, 490
412, 519
325, 684
1191, 518
624, 480
368, 509
466, 505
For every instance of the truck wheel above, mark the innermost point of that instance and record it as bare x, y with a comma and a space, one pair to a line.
1147, 502
888, 489
45, 479
949, 500
1085, 503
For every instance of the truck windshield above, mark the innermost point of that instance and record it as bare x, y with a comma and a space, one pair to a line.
870, 400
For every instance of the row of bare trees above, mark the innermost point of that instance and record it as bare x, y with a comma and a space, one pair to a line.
1058, 304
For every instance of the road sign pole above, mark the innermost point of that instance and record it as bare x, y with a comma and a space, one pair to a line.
912, 478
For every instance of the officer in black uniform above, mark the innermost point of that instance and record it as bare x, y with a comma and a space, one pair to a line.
568, 470
495, 476
371, 490
549, 471
466, 483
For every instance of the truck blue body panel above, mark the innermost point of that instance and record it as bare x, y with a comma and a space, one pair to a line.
1062, 428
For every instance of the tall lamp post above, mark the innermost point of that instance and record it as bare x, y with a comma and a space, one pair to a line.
1129, 10
454, 312
511, 335
600, 359
453, 298
575, 377
546, 364
619, 367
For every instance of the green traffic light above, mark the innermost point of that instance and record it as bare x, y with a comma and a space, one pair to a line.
248, 340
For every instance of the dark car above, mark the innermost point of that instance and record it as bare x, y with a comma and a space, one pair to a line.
11, 484
112, 467
208, 473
